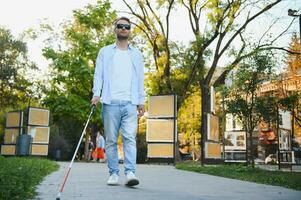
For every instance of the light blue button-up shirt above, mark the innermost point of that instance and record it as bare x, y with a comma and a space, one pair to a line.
103, 76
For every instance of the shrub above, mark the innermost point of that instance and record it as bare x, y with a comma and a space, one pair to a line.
19, 176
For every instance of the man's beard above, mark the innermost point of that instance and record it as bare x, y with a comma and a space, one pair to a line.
122, 37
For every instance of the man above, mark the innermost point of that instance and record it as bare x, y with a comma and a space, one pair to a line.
119, 77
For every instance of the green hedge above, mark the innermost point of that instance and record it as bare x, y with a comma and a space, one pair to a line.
20, 176
290, 180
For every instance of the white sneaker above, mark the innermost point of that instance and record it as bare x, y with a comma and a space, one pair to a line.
113, 179
131, 179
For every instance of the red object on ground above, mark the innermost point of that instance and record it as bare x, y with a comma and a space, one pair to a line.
99, 153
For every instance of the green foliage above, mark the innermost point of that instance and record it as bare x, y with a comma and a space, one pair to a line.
13, 65
15, 88
243, 101
141, 141
292, 101
58, 142
189, 121
267, 107
72, 68
182, 59
19, 176
242, 97
221, 11
164, 59
290, 180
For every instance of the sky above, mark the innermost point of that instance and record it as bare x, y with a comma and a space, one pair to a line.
19, 15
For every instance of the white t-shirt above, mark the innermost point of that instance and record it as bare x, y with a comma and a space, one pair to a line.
121, 76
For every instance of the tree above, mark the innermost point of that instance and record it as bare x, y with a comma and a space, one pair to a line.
73, 55
13, 65
293, 60
269, 100
291, 100
189, 123
157, 35
243, 100
217, 25
15, 88
292, 103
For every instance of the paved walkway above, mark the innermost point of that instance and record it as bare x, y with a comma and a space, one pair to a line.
87, 181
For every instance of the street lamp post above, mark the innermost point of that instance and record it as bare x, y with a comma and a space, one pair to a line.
293, 13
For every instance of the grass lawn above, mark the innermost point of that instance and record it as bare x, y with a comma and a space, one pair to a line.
290, 180
20, 176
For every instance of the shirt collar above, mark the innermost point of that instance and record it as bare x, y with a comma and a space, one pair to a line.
129, 46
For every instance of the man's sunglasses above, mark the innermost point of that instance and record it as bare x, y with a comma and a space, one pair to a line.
123, 26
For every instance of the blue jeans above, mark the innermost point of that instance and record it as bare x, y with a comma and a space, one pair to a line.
120, 115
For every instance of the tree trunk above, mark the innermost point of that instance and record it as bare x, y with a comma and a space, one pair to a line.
2, 97
251, 148
87, 152
95, 129
247, 133
204, 110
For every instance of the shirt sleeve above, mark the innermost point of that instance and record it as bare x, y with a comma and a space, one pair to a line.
141, 92
98, 74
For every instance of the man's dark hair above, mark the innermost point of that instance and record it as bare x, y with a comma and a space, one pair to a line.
122, 18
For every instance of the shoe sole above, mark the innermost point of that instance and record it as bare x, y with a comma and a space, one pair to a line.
131, 183
112, 184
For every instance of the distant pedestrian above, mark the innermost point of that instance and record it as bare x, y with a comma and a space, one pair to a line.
100, 147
